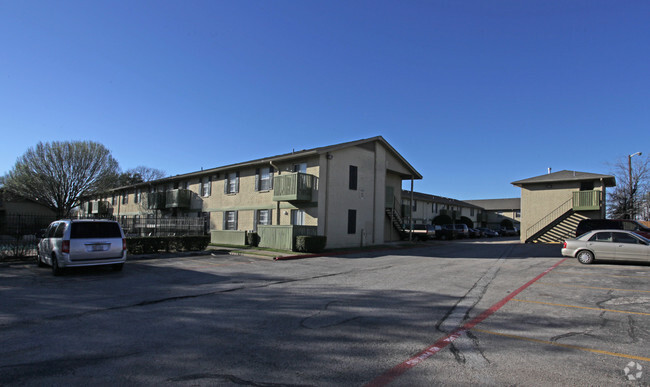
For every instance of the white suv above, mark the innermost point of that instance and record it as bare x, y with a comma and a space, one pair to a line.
71, 243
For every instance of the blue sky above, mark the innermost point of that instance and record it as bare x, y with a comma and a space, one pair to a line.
474, 94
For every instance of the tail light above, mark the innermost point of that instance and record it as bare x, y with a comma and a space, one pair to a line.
123, 244
564, 245
65, 248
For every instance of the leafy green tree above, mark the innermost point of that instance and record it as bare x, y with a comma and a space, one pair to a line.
56, 174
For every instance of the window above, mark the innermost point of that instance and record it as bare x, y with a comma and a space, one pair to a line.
434, 207
298, 217
263, 217
352, 221
620, 237
206, 186
230, 220
185, 185
136, 197
58, 233
231, 183
264, 179
471, 212
601, 237
125, 197
517, 214
353, 177
415, 205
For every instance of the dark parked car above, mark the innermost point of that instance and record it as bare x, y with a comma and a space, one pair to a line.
446, 233
509, 231
488, 232
586, 225
462, 231
422, 231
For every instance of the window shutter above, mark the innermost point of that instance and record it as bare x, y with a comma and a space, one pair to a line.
225, 183
271, 170
225, 221
255, 219
209, 185
236, 226
270, 216
237, 183
257, 179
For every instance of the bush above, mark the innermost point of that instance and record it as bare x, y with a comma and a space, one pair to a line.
252, 239
17, 248
310, 243
151, 245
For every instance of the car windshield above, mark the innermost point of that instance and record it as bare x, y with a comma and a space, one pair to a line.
86, 230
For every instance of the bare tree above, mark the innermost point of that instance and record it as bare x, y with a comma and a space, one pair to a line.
56, 174
146, 173
630, 196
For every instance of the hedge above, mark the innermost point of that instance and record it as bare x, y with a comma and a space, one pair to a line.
310, 243
151, 245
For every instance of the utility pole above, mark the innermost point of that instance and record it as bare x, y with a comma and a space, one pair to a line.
629, 168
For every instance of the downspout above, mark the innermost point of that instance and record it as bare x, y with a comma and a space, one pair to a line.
411, 212
277, 207
328, 156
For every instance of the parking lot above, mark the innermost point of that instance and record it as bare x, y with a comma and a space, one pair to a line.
489, 312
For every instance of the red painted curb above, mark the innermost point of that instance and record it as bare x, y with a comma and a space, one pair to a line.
399, 369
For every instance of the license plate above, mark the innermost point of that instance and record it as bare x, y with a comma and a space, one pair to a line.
98, 247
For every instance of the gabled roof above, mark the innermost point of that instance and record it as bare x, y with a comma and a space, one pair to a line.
565, 176
507, 204
287, 156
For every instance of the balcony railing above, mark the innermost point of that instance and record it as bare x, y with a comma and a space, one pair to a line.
156, 200
586, 200
293, 187
178, 198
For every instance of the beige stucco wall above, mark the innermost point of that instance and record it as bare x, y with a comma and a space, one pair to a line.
331, 199
342, 198
539, 200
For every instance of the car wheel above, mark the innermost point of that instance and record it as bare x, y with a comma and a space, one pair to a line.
118, 267
39, 263
56, 270
585, 256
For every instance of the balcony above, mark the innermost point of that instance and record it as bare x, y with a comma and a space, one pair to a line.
178, 198
100, 207
586, 200
293, 187
156, 200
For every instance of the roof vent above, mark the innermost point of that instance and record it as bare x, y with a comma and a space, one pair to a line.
549, 170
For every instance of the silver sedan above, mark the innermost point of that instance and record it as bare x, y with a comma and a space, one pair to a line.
607, 244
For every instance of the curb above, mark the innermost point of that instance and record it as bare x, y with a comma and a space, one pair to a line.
346, 252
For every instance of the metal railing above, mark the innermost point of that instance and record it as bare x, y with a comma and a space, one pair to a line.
548, 219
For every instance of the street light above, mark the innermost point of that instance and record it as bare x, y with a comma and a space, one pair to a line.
629, 167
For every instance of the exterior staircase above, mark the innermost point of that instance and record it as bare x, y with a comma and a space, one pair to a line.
397, 221
564, 227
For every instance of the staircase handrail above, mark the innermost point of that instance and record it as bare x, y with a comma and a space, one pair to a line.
545, 221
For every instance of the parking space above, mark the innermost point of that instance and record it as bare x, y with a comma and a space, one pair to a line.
526, 316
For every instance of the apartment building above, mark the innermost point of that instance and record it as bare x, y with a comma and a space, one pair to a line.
432, 209
554, 203
344, 192
500, 212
